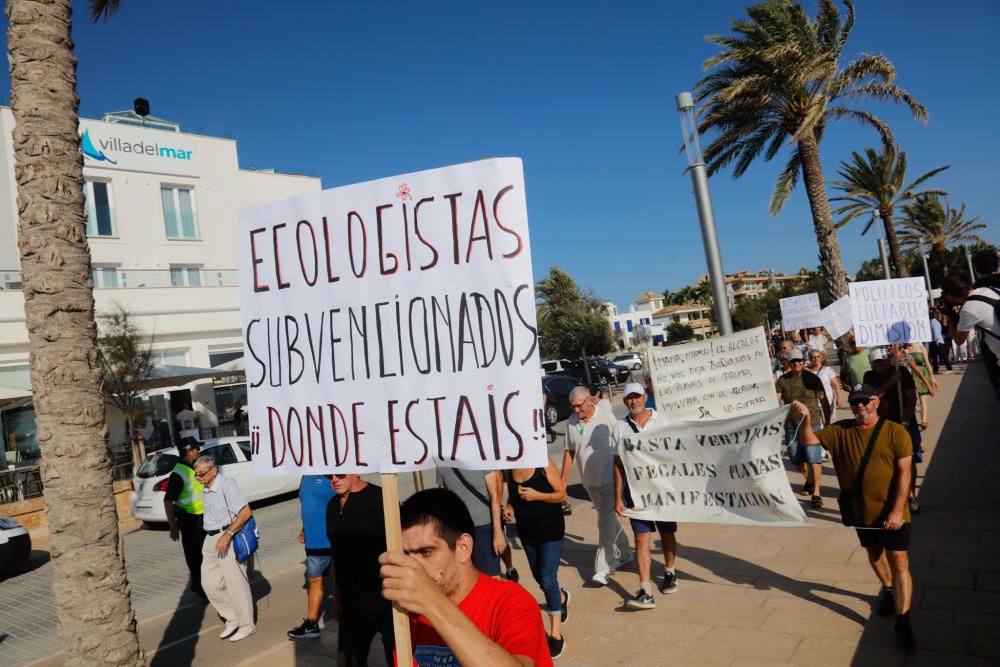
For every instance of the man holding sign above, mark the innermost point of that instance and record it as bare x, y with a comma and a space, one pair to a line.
458, 614
639, 419
872, 458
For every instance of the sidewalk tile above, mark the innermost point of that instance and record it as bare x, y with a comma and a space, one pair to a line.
752, 643
727, 615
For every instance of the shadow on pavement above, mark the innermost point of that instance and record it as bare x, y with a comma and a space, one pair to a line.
180, 637
37, 559
763, 579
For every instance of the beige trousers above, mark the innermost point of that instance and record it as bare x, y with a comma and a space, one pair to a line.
610, 536
226, 584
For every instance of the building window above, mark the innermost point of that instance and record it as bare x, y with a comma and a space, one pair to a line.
618, 325
178, 212
185, 276
169, 357
100, 218
104, 275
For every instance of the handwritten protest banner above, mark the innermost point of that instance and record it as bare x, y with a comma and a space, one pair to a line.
800, 312
715, 378
724, 471
837, 317
390, 326
887, 312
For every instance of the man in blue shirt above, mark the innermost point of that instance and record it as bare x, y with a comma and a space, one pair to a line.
315, 493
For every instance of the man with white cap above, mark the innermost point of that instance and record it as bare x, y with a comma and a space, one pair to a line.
639, 419
588, 442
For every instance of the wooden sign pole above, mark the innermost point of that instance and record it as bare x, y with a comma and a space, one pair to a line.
394, 542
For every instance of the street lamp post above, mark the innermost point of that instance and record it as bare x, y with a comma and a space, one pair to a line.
968, 259
927, 275
884, 254
699, 179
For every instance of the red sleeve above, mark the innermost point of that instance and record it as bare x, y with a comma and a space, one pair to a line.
520, 630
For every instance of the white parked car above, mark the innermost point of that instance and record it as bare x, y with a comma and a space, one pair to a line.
232, 455
628, 360
15, 544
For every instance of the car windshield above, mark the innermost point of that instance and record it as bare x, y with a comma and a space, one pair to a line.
157, 465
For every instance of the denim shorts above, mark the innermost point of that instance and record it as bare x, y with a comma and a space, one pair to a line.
317, 566
799, 454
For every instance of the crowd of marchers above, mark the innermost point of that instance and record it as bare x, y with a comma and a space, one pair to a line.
455, 577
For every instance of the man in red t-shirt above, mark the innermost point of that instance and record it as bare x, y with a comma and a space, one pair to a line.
457, 614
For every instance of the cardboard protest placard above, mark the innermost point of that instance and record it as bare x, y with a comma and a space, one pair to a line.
390, 325
892, 311
837, 317
800, 312
714, 378
723, 471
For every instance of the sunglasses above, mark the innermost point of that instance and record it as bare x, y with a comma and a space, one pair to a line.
336, 476
860, 401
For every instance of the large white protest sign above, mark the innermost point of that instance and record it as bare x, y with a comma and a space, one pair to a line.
887, 312
837, 318
723, 471
714, 378
390, 325
800, 312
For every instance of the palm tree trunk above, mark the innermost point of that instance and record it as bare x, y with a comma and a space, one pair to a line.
831, 265
894, 252
96, 622
942, 255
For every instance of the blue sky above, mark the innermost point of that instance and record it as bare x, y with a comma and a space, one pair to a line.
583, 92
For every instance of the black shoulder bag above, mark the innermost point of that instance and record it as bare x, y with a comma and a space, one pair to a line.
850, 500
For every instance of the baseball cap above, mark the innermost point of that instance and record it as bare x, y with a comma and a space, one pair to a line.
862, 391
187, 444
878, 353
794, 353
633, 388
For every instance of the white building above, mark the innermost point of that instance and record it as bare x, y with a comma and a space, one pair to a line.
162, 208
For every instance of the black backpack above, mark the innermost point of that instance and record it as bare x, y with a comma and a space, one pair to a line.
996, 308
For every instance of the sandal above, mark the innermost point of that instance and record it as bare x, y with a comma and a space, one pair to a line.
807, 490
817, 502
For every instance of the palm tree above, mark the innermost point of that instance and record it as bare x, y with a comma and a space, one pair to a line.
778, 80
91, 590
931, 223
875, 182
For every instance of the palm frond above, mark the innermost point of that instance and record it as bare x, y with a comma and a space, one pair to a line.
103, 9
787, 179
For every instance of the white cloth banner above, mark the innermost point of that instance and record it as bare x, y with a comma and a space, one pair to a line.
715, 378
723, 471
390, 326
887, 312
800, 312
837, 317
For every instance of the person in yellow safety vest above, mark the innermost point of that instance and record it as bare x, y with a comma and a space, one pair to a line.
184, 506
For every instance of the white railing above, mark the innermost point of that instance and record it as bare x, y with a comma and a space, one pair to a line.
107, 278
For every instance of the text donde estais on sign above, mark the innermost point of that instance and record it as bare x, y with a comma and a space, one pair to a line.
391, 325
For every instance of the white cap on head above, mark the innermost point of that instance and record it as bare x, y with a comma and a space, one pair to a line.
878, 354
633, 388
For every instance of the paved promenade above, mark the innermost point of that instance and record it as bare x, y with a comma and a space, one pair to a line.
748, 596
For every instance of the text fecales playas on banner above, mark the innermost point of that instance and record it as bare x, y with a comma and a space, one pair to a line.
390, 325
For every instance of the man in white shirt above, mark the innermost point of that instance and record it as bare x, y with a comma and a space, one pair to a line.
978, 310
639, 419
588, 442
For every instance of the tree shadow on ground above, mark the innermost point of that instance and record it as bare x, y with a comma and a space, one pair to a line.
180, 637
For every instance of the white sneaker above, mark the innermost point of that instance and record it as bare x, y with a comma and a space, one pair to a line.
622, 562
600, 578
231, 627
242, 634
